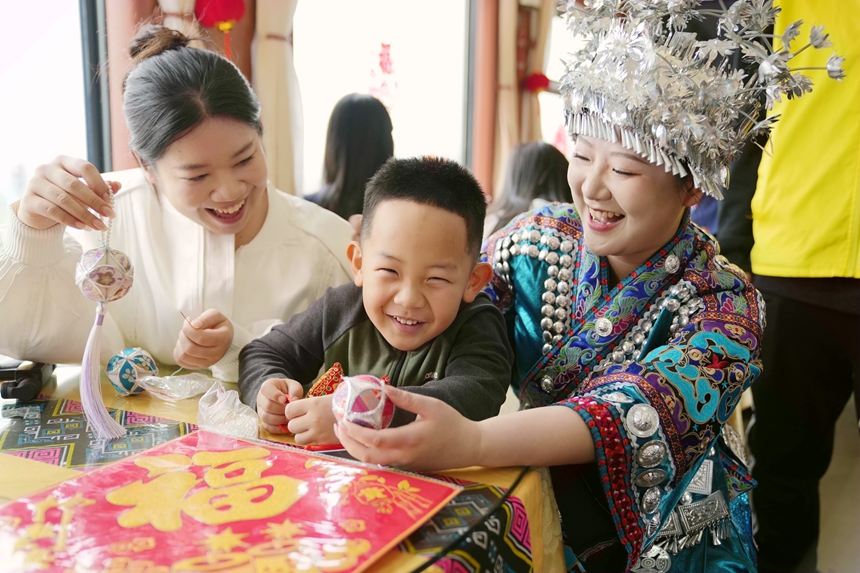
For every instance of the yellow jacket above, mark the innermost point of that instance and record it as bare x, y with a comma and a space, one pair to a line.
806, 208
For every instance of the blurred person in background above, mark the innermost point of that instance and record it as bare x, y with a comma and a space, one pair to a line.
358, 142
536, 175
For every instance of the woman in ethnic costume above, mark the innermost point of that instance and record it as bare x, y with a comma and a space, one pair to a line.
622, 310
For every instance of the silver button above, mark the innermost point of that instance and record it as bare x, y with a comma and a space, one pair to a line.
651, 499
603, 326
642, 420
650, 478
546, 384
672, 264
651, 454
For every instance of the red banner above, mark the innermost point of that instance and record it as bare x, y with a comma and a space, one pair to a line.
206, 502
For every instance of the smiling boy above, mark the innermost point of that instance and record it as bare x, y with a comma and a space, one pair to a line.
414, 312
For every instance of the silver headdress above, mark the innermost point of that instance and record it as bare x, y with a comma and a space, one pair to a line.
640, 80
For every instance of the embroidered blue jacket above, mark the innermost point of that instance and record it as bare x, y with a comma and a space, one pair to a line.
655, 365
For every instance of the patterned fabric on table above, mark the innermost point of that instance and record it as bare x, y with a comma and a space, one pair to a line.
56, 432
502, 543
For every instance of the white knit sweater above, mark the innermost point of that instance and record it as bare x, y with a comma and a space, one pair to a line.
178, 265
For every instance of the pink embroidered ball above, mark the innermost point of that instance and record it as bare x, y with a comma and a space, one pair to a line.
104, 274
361, 400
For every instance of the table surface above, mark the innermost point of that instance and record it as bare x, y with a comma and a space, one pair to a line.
20, 477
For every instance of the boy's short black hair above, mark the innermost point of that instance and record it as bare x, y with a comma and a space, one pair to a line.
433, 181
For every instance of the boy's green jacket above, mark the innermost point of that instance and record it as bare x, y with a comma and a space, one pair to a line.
467, 366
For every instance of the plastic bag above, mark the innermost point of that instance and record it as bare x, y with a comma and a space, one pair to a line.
173, 388
221, 411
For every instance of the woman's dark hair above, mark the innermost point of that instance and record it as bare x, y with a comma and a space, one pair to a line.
173, 88
358, 142
536, 170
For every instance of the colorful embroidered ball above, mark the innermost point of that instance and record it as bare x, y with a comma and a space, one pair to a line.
128, 366
104, 274
361, 400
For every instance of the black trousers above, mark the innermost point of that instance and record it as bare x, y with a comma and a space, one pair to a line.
811, 357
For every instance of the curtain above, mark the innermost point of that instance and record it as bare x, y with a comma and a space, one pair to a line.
531, 130
277, 86
508, 98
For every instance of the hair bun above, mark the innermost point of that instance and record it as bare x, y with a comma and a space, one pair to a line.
153, 39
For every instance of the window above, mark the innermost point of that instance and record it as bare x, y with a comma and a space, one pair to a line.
43, 113
561, 43
412, 56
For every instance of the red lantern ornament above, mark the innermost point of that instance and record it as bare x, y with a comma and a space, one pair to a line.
536, 83
221, 14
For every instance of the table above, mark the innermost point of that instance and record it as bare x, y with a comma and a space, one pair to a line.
20, 477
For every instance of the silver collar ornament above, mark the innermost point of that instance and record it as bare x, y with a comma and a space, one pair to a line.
640, 80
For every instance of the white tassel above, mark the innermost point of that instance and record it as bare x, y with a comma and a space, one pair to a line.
99, 418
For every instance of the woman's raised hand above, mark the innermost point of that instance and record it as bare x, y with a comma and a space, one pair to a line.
203, 341
439, 438
56, 194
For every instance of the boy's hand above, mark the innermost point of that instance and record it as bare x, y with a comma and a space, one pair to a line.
272, 401
312, 421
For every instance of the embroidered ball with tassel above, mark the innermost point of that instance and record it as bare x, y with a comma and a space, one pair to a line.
361, 400
127, 367
103, 275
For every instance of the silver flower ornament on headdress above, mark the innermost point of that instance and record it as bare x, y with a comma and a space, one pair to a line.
641, 80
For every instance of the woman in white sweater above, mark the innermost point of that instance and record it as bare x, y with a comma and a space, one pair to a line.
208, 236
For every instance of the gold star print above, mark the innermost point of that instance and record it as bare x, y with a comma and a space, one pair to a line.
353, 525
285, 530
225, 541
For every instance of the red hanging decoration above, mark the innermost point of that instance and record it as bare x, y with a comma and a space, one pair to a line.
221, 14
536, 83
